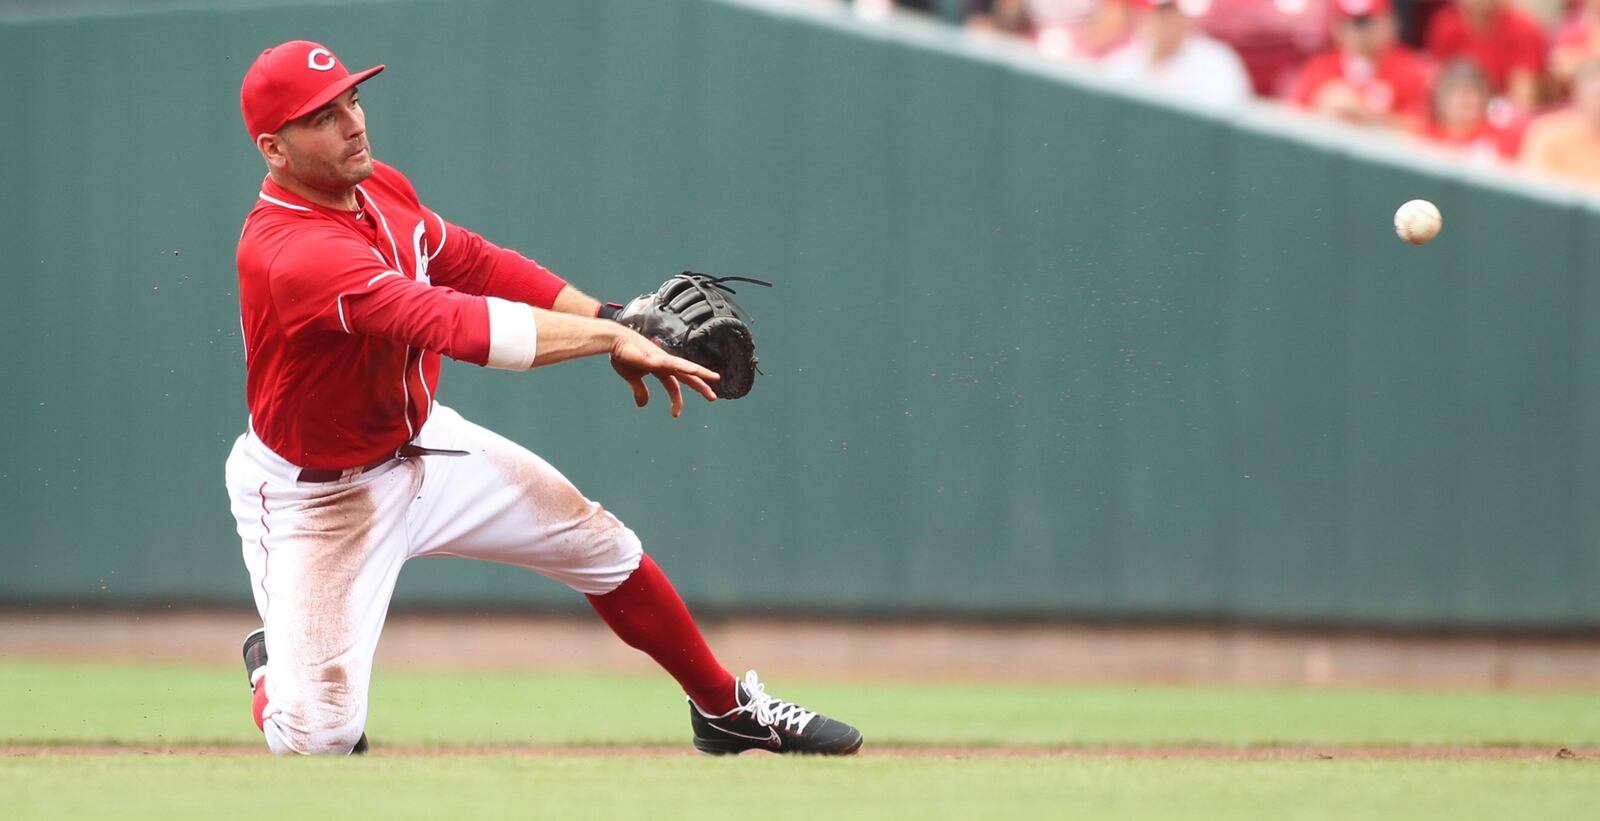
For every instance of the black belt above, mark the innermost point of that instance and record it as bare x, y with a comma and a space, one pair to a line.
405, 451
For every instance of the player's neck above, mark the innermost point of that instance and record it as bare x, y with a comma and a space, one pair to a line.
339, 201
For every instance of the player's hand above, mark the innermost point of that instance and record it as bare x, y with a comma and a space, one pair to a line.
633, 358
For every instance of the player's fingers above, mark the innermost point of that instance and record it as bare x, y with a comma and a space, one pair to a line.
684, 367
674, 392
634, 376
701, 387
641, 391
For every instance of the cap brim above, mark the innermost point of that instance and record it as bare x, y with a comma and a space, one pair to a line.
333, 89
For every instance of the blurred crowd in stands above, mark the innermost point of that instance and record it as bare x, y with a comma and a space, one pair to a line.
1503, 82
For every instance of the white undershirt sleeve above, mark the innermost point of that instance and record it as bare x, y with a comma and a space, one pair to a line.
513, 335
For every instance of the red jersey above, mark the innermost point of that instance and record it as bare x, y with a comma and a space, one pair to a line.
1397, 83
1512, 41
346, 313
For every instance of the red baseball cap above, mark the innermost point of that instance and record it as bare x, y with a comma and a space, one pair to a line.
292, 80
1361, 8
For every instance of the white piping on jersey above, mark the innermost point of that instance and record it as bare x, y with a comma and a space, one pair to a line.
381, 221
276, 201
405, 381
423, 381
338, 301
444, 234
405, 387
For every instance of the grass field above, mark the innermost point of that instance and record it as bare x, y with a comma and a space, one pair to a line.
176, 742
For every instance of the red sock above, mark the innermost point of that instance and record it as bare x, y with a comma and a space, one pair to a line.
258, 701
645, 612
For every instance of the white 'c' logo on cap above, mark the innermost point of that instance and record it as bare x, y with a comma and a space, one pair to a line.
311, 59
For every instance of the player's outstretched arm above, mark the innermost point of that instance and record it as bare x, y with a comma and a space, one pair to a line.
570, 300
565, 336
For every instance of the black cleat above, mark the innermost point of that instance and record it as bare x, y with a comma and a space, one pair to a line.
255, 654
762, 722
255, 657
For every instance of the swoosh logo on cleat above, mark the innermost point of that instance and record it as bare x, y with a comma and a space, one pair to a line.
774, 739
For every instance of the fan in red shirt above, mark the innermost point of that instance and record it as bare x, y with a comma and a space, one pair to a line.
1506, 42
1368, 77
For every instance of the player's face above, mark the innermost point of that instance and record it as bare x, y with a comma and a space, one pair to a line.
327, 149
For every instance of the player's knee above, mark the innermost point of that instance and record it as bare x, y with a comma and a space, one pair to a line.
324, 719
285, 738
339, 741
601, 541
608, 570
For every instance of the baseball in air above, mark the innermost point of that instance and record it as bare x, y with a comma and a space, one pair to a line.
1418, 222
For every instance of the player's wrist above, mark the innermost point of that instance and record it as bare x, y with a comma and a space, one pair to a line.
608, 310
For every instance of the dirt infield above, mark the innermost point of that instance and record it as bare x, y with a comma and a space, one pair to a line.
867, 649
1214, 753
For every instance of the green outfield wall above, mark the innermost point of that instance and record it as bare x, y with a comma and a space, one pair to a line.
1039, 345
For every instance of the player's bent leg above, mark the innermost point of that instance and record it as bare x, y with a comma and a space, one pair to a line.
319, 716
727, 716
647, 614
323, 560
505, 504
255, 667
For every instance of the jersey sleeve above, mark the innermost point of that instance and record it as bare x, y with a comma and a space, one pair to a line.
469, 263
328, 283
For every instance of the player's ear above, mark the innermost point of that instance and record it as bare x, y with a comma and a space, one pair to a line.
272, 150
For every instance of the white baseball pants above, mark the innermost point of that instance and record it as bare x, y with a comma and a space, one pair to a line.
323, 558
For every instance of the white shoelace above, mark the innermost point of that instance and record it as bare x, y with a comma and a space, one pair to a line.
769, 710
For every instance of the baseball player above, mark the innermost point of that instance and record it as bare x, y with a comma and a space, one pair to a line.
350, 291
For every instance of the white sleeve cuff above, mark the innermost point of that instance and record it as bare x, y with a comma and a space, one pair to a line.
513, 335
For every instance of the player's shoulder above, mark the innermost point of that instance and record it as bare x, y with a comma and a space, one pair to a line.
277, 242
275, 215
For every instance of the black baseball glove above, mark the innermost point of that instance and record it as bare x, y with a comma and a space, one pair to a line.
693, 315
